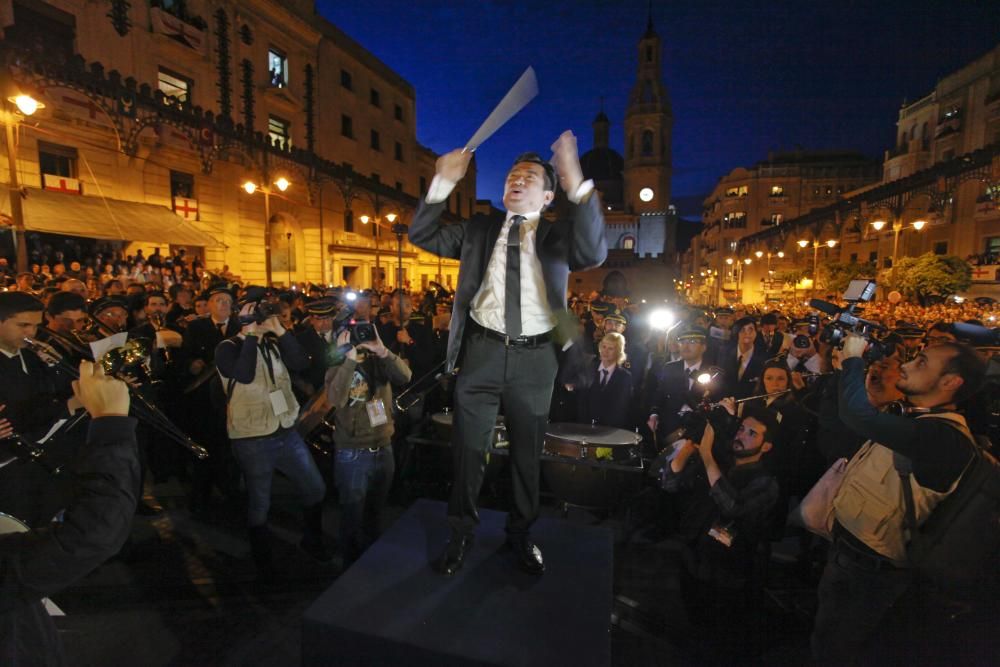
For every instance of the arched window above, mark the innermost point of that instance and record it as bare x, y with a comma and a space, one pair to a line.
628, 243
647, 143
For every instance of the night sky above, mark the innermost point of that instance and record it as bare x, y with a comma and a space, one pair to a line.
743, 78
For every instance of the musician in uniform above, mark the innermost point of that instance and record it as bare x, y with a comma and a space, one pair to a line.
674, 385
110, 315
315, 335
204, 399
608, 399
742, 360
36, 398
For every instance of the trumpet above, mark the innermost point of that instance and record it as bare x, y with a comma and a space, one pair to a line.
114, 363
421, 387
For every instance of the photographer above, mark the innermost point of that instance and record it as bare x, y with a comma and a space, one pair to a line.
866, 571
261, 414
361, 391
729, 510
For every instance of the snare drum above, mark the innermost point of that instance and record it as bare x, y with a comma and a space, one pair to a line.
583, 441
591, 466
9, 524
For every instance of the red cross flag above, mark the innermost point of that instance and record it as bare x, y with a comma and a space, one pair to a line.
63, 184
186, 208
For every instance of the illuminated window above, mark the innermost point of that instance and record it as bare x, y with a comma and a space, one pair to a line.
777, 218
777, 191
743, 191
174, 85
279, 131
628, 243
277, 68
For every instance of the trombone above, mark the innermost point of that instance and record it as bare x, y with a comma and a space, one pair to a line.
112, 363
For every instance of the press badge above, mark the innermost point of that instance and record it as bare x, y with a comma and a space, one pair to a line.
376, 412
722, 534
278, 402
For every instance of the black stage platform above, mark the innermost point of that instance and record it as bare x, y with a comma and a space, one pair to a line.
392, 608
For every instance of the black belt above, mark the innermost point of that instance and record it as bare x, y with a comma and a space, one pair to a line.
520, 341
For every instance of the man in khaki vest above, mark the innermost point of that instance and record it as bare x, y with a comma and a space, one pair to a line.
867, 570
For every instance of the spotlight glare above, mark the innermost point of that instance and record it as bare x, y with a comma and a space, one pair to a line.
661, 319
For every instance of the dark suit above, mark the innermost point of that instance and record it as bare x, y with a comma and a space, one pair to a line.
609, 404
671, 393
771, 349
745, 386
522, 376
316, 348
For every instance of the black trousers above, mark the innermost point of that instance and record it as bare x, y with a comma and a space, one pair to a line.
522, 378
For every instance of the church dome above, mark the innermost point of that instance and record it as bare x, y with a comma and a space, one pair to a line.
602, 164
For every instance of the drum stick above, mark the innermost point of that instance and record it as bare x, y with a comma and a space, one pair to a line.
522, 92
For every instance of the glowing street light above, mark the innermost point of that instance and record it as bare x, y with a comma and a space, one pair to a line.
250, 188
26, 104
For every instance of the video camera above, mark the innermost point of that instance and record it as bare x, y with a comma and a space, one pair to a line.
845, 321
258, 312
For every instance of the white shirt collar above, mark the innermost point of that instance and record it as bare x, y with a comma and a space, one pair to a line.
530, 219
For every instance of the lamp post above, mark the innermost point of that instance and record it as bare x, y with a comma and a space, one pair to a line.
26, 106
391, 217
897, 228
803, 243
250, 188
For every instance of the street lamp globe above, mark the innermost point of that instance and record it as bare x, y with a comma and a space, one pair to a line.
919, 224
364, 219
878, 225
282, 183
26, 104
729, 260
803, 243
391, 217
781, 254
250, 187
759, 253
831, 243
747, 261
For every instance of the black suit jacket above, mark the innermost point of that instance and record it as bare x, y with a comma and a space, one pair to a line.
671, 393
563, 245
608, 405
745, 386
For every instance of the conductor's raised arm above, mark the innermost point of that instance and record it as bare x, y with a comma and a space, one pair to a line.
426, 230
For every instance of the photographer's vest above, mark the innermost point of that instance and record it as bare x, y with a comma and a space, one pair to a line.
250, 413
869, 503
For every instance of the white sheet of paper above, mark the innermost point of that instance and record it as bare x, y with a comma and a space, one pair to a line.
100, 347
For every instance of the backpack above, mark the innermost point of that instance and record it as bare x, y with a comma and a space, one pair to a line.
958, 544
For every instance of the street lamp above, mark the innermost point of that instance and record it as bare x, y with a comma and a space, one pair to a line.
897, 228
376, 231
250, 188
803, 243
26, 105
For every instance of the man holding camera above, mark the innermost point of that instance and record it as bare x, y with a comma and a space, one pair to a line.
261, 414
867, 571
360, 389
729, 510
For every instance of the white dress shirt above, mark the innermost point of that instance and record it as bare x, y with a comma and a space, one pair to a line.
489, 303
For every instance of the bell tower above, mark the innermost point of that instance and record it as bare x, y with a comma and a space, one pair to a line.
648, 126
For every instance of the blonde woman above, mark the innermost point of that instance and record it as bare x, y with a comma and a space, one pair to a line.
608, 400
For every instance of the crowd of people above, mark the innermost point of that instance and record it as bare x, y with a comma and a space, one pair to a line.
742, 408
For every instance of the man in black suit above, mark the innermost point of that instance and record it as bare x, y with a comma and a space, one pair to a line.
769, 338
204, 398
743, 360
511, 295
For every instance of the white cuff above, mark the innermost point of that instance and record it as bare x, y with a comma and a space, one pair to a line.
585, 189
440, 189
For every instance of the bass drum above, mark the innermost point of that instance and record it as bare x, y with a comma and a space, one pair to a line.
594, 467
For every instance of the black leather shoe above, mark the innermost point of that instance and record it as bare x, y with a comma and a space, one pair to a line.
529, 556
454, 554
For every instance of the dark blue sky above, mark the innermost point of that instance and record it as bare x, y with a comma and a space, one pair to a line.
744, 77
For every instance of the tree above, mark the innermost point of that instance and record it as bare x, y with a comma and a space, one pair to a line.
929, 274
837, 275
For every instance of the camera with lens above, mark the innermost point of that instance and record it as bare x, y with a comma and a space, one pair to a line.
361, 332
259, 313
693, 423
846, 321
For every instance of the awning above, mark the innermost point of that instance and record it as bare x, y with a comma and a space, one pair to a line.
98, 218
